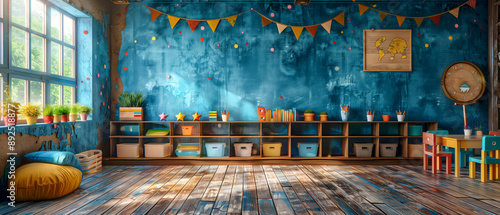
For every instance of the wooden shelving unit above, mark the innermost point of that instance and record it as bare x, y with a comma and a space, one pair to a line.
335, 138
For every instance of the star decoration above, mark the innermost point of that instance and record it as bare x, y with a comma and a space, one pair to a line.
163, 116
180, 116
196, 116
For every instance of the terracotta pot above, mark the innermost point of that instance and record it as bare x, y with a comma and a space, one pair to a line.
57, 118
31, 120
48, 119
6, 121
83, 117
309, 116
386, 117
64, 118
73, 117
323, 117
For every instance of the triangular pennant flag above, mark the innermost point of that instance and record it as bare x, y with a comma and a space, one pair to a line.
418, 20
232, 19
340, 18
192, 24
213, 24
154, 14
382, 15
312, 30
173, 20
281, 27
455, 11
401, 19
436, 19
472, 3
362, 9
327, 25
297, 31
265, 21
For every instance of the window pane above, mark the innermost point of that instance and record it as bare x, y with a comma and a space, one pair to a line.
36, 92
69, 29
1, 8
19, 48
19, 8
1, 41
68, 62
55, 94
18, 90
37, 53
55, 24
68, 95
55, 58
38, 16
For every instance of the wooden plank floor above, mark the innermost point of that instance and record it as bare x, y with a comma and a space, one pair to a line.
272, 189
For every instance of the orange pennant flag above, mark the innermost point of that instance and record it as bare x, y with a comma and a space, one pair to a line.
327, 25
297, 31
192, 24
281, 27
362, 9
265, 21
436, 19
154, 14
232, 19
382, 15
454, 12
173, 20
418, 20
401, 19
213, 24
472, 3
312, 30
340, 18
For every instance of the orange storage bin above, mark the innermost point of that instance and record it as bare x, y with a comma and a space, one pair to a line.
187, 130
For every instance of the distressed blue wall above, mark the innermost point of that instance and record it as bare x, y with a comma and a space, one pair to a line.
311, 73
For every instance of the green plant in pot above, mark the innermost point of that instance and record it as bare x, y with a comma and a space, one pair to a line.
48, 114
323, 116
131, 106
309, 115
84, 112
61, 113
31, 112
10, 109
73, 112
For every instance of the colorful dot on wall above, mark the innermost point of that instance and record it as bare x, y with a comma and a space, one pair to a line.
106, 96
480, 27
202, 28
115, 100
272, 49
85, 32
168, 76
153, 38
281, 97
456, 25
373, 29
168, 46
106, 79
333, 42
109, 107
349, 19
341, 32
337, 68
474, 20
419, 35
126, 10
272, 15
125, 68
119, 14
427, 45
135, 41
116, 79
88, 79
97, 43
209, 79
126, 53
465, 34
217, 45
246, 43
177, 5
116, 86
55, 125
202, 39
450, 38
352, 31
82, 82
289, 6
104, 66
235, 46
103, 86
101, 93
242, 32
349, 48
180, 32
374, 5
251, 8
98, 75
102, 103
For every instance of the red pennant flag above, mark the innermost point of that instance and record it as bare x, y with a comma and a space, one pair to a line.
192, 24
312, 29
265, 21
472, 3
436, 19
154, 14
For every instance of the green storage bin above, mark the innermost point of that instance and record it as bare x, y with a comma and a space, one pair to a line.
414, 130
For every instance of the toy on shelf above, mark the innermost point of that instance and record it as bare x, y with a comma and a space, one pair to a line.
212, 115
196, 117
309, 115
224, 115
262, 113
180, 116
344, 112
401, 115
163, 116
370, 115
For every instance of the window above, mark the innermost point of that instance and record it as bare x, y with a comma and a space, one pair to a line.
39, 62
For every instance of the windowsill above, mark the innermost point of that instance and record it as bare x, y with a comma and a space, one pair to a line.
42, 123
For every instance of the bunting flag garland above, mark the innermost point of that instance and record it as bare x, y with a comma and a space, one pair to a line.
312, 30
382, 15
173, 20
362, 9
232, 19
297, 30
154, 14
340, 18
455, 12
192, 24
436, 19
213, 24
281, 27
265, 21
401, 19
327, 25
472, 3
418, 20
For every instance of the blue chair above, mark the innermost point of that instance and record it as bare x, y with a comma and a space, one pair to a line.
490, 144
463, 153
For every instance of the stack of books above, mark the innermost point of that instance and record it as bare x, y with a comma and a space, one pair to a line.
281, 115
212, 115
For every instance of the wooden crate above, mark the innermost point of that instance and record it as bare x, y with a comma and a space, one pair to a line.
415, 151
91, 160
131, 114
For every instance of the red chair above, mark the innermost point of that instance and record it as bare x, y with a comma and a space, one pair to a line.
429, 140
492, 170
494, 133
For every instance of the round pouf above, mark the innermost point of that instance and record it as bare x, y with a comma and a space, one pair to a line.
43, 181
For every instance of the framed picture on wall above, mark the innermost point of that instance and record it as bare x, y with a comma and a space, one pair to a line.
387, 51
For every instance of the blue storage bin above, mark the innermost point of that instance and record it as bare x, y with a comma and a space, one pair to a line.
215, 149
131, 130
188, 149
414, 130
308, 149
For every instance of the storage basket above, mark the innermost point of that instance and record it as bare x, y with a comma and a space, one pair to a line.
363, 149
215, 149
157, 150
187, 130
91, 160
388, 149
308, 149
127, 150
271, 149
188, 149
243, 149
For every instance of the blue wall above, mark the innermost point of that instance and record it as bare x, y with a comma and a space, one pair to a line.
311, 73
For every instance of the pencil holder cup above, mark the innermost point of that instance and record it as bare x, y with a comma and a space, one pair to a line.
467, 132
386, 117
401, 118
225, 117
369, 118
344, 114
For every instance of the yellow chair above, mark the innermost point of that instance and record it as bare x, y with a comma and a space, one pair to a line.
490, 144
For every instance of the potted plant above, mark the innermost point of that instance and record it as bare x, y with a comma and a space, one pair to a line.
31, 112
323, 116
131, 106
61, 113
65, 113
84, 112
309, 115
48, 114
73, 112
10, 111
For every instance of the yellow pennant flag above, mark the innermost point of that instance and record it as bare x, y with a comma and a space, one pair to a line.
297, 31
418, 20
213, 24
362, 9
281, 27
154, 14
401, 19
327, 25
340, 18
173, 20
232, 19
455, 11
382, 15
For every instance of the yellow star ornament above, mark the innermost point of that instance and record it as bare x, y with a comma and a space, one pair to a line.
196, 116
180, 116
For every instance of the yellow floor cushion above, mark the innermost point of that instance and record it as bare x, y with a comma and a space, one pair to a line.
43, 181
